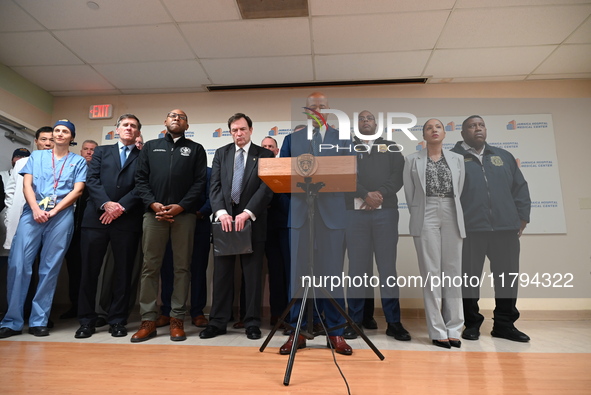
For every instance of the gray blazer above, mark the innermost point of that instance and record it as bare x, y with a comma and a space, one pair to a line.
414, 187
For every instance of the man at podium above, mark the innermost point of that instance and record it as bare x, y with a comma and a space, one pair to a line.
329, 228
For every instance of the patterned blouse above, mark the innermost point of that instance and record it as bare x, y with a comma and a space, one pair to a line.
439, 181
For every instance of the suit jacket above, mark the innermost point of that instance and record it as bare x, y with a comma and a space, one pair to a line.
331, 205
255, 195
107, 181
415, 168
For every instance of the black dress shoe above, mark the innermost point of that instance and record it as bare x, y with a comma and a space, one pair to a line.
72, 313
396, 330
442, 343
39, 331
350, 333
84, 332
7, 332
211, 331
118, 330
512, 334
472, 333
455, 343
253, 332
49, 323
370, 323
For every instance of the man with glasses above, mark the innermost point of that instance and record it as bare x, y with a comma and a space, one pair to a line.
170, 179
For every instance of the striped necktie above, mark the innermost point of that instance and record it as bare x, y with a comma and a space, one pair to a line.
237, 177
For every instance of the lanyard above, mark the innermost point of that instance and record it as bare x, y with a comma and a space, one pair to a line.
56, 181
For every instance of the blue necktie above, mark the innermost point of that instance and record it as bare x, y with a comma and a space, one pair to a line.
316, 141
238, 174
124, 155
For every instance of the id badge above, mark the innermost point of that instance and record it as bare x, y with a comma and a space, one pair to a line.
52, 201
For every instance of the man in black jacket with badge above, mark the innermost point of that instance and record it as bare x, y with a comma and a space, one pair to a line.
170, 178
496, 205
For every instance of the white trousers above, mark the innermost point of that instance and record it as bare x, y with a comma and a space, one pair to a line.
439, 252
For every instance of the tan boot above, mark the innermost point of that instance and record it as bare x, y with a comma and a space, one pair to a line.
177, 331
146, 332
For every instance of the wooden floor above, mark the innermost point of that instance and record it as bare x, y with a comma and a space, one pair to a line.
28, 367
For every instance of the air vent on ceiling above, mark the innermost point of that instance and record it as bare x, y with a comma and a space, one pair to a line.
258, 9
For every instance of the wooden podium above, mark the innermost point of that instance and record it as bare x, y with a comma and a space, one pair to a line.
310, 175
338, 173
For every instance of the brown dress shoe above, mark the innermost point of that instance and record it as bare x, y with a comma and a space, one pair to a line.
200, 321
162, 320
340, 345
238, 325
146, 332
177, 331
285, 349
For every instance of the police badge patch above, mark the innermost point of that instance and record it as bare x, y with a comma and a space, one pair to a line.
306, 165
185, 151
496, 160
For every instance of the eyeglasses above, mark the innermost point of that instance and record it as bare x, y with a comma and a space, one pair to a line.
369, 119
174, 115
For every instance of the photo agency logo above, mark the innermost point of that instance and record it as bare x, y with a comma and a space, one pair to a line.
391, 120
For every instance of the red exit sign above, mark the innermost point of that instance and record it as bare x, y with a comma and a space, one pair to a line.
101, 111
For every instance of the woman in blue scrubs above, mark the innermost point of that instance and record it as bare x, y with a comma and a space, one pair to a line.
53, 180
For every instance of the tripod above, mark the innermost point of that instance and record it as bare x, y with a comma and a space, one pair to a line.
311, 189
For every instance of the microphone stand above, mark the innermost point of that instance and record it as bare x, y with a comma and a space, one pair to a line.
311, 189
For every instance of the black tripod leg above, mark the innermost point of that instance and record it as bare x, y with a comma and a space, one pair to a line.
280, 320
350, 321
296, 335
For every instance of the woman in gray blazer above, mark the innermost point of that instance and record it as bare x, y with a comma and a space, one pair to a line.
433, 181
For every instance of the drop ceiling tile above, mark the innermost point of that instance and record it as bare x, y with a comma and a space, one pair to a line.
163, 91
576, 76
356, 7
202, 10
582, 35
252, 38
127, 44
266, 70
154, 75
511, 3
512, 26
477, 79
103, 92
34, 49
14, 19
370, 65
74, 14
579, 60
64, 78
451, 63
377, 33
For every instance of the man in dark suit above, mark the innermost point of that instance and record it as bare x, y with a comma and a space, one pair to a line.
113, 214
329, 225
238, 195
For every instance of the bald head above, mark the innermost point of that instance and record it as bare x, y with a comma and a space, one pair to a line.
316, 101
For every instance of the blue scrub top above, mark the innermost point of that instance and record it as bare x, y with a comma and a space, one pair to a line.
40, 166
